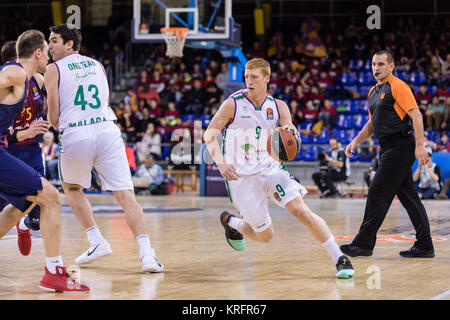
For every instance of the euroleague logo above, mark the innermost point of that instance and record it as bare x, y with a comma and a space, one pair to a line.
269, 114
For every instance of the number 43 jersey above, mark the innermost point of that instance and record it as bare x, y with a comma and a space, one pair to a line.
83, 92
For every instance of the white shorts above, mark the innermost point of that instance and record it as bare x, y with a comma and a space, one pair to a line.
250, 194
100, 146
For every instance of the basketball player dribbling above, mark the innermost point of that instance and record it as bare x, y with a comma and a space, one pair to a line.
78, 106
22, 186
23, 139
250, 173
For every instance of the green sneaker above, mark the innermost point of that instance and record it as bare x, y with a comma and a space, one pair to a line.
234, 238
344, 268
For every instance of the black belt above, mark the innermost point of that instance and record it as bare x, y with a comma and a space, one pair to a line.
396, 136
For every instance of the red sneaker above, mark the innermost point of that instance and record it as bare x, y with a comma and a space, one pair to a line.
24, 240
61, 282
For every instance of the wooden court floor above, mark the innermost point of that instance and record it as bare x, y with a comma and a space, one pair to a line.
200, 265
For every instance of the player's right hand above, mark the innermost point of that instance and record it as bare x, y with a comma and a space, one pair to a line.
228, 172
350, 148
38, 127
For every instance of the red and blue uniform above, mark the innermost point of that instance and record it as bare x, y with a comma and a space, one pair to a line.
17, 179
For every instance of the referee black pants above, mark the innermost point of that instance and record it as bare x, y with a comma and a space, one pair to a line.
394, 177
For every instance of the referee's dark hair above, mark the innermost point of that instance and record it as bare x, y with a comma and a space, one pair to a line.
9, 52
68, 34
390, 58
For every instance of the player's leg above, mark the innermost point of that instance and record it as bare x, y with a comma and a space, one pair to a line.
288, 193
76, 160
112, 167
82, 209
9, 217
55, 278
135, 220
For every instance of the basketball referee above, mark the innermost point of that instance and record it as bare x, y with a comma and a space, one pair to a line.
393, 113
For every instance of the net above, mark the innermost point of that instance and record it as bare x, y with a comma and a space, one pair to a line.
174, 38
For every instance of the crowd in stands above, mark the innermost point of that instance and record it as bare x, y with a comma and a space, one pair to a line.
322, 72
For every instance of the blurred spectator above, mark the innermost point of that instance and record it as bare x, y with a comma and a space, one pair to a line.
143, 122
423, 96
195, 98
443, 145
129, 123
145, 92
157, 82
328, 114
444, 191
153, 173
257, 51
299, 95
129, 151
434, 114
429, 177
155, 110
446, 122
316, 97
296, 113
171, 113
213, 97
222, 77
310, 112
131, 99
208, 78
150, 143
143, 79
163, 129
442, 92
446, 66
50, 152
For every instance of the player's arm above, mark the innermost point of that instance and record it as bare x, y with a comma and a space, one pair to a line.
285, 116
39, 79
224, 115
421, 153
51, 80
12, 76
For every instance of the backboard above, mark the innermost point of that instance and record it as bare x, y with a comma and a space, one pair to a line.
207, 20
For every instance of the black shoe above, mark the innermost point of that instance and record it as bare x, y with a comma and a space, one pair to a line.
354, 251
344, 268
234, 238
415, 252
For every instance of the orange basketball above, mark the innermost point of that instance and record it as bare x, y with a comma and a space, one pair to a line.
283, 145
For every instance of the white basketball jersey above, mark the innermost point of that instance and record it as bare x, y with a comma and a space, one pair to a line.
83, 92
245, 138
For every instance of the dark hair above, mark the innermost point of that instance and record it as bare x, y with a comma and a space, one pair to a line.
390, 58
68, 34
335, 138
28, 42
9, 51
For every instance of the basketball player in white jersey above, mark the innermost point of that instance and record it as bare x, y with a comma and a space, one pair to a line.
78, 106
252, 175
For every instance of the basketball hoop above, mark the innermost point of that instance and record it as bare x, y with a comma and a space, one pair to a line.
174, 38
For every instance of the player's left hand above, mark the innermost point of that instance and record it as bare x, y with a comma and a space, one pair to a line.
292, 128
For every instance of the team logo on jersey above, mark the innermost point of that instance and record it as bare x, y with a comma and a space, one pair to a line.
382, 95
276, 196
269, 114
35, 90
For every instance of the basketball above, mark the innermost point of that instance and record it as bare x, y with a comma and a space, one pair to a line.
283, 145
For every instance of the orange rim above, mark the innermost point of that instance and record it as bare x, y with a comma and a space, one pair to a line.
180, 33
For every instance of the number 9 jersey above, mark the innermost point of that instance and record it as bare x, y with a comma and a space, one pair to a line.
83, 92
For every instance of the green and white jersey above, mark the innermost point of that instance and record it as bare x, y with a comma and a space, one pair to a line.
83, 92
245, 138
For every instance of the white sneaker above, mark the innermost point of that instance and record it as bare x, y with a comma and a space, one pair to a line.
151, 264
94, 252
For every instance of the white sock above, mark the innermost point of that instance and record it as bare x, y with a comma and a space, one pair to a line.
234, 223
145, 248
22, 225
52, 262
332, 249
94, 235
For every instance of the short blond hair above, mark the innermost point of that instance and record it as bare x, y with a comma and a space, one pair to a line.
259, 63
